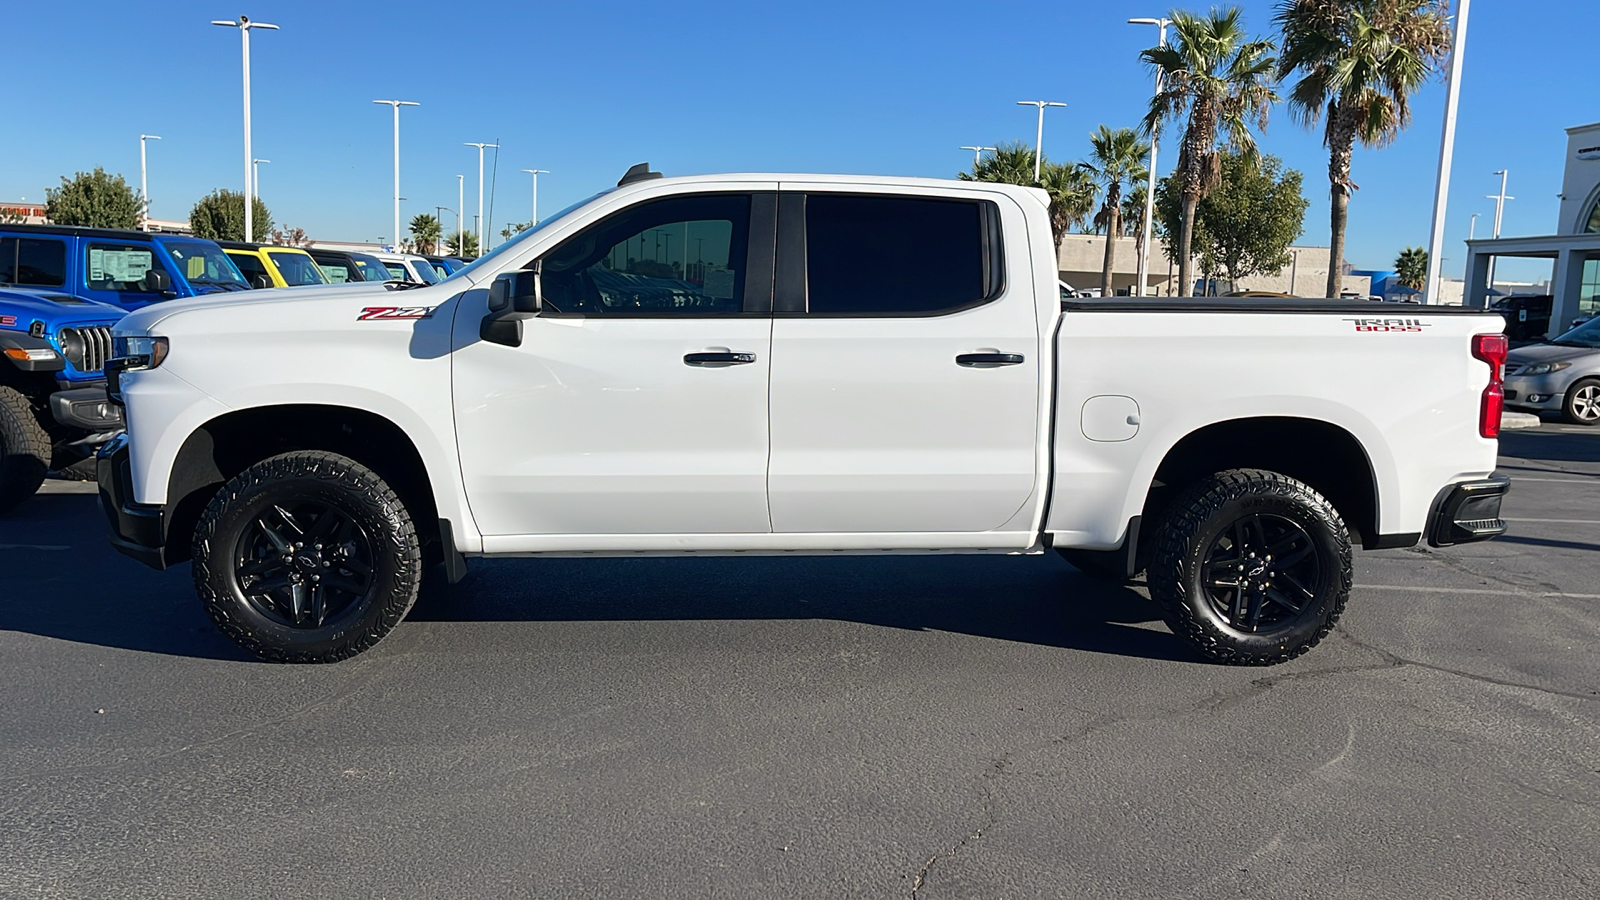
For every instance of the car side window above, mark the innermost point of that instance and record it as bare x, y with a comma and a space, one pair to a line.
251, 267
339, 271
878, 254
670, 257
297, 268
119, 267
37, 262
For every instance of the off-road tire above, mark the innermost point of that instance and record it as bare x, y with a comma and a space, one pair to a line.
24, 449
1590, 388
328, 478
1200, 517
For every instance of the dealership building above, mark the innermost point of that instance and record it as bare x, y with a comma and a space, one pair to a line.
1574, 247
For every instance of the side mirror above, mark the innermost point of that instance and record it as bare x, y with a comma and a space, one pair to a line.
513, 296
260, 281
157, 281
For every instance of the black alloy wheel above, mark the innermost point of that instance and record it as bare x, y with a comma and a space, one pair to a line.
1260, 573
304, 566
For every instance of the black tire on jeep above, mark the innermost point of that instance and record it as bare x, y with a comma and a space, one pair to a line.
24, 449
307, 557
1252, 567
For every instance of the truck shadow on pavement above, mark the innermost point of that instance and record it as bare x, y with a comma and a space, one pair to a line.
59, 578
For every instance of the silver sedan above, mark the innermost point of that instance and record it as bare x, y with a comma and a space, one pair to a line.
1560, 376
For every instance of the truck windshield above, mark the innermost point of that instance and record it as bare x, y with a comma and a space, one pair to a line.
297, 268
205, 263
1585, 335
528, 233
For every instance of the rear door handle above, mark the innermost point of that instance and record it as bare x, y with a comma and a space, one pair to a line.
989, 360
718, 359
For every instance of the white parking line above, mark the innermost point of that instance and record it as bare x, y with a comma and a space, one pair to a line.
1505, 592
1559, 521
1593, 482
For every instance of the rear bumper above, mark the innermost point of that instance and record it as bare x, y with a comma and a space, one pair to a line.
138, 530
1467, 512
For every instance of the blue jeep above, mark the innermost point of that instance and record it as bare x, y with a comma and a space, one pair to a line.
53, 408
129, 269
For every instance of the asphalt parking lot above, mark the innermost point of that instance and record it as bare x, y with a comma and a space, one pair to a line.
938, 727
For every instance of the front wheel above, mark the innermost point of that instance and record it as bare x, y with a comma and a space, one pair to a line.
24, 449
306, 557
1252, 567
1582, 404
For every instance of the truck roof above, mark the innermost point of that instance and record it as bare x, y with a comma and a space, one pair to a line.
816, 178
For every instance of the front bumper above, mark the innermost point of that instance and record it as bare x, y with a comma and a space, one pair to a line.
87, 408
138, 530
1467, 512
1537, 394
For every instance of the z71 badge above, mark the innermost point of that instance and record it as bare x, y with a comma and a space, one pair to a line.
396, 312
1389, 324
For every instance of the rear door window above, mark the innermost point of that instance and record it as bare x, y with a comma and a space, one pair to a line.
252, 267
338, 270
119, 267
883, 255
38, 262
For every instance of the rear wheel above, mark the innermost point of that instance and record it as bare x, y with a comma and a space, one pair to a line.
1582, 404
1252, 567
24, 449
307, 557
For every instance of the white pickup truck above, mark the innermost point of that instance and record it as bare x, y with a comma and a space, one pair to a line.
781, 364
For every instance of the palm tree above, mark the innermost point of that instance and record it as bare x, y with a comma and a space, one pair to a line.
1224, 83
1411, 266
1359, 62
1117, 156
424, 233
1072, 191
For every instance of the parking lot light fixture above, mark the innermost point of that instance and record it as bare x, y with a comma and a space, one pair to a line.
397, 104
245, 26
536, 173
144, 192
1150, 183
479, 220
977, 155
1447, 144
1038, 141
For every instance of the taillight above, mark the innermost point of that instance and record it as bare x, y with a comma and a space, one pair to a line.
1492, 349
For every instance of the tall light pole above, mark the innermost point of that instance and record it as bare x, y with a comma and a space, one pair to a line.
1150, 185
1038, 141
1472, 226
438, 217
396, 104
977, 155
144, 192
255, 176
1499, 208
461, 209
536, 173
245, 25
480, 147
1447, 143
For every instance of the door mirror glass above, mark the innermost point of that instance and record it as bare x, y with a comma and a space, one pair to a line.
513, 296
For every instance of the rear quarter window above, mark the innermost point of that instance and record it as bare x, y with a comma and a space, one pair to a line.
38, 262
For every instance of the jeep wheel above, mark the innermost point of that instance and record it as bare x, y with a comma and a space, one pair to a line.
1252, 568
306, 557
24, 449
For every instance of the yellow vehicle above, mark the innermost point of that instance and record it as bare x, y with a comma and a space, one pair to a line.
266, 266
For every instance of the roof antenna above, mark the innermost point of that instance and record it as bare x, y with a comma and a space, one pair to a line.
640, 172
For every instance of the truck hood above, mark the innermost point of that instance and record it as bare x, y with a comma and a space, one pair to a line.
55, 310
359, 293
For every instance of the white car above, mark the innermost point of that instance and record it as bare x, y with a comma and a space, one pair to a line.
408, 267
783, 364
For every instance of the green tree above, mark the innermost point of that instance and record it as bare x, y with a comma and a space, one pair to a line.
1072, 191
1223, 82
1359, 63
94, 199
1245, 226
1411, 266
424, 233
1115, 156
464, 245
219, 216
514, 229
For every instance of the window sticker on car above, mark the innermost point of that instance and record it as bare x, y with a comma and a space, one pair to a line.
396, 312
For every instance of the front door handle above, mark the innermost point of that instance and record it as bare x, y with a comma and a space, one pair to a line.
718, 359
989, 360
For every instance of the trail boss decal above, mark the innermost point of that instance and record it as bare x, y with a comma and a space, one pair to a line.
1388, 324
396, 312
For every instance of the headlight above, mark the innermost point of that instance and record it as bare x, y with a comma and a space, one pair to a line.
1541, 369
141, 352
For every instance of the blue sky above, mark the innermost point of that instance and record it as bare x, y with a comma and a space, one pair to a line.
587, 89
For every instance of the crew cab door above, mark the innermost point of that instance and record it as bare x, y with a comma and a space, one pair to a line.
905, 363
637, 402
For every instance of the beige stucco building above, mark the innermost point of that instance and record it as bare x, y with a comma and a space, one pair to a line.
1082, 258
